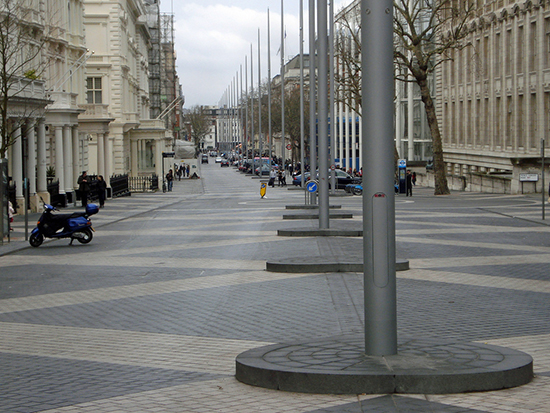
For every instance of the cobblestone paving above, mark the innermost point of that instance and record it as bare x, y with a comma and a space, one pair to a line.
150, 316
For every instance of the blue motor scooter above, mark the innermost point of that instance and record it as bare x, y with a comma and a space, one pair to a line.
76, 225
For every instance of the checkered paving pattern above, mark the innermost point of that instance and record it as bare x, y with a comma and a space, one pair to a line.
150, 315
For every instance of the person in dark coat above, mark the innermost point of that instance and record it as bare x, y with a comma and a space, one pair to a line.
83, 188
409, 184
101, 190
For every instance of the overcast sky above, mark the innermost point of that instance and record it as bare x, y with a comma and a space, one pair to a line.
212, 38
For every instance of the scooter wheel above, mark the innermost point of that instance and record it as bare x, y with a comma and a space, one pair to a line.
356, 191
87, 236
36, 240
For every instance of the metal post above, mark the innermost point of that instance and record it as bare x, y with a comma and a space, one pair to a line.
260, 104
312, 98
269, 128
323, 113
302, 124
332, 101
282, 87
378, 193
542, 173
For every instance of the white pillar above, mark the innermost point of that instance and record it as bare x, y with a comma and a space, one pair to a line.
59, 166
108, 159
17, 164
410, 108
101, 154
134, 153
77, 166
31, 160
41, 183
67, 159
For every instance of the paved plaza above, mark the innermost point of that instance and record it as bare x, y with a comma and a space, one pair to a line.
150, 316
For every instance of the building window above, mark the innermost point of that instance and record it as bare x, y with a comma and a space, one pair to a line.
94, 93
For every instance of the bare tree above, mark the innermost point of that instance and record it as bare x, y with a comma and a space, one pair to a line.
200, 123
22, 67
426, 32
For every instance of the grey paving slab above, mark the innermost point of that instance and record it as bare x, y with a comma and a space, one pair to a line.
176, 283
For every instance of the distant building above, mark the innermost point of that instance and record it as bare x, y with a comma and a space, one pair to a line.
494, 96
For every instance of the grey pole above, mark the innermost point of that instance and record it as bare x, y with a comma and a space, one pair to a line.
246, 130
332, 100
260, 103
282, 88
322, 118
378, 192
252, 105
542, 173
302, 125
269, 128
312, 98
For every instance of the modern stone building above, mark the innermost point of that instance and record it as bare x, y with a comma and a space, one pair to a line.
494, 97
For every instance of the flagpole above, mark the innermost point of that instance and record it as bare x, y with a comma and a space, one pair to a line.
252, 104
260, 103
312, 98
282, 87
332, 160
269, 88
302, 127
246, 130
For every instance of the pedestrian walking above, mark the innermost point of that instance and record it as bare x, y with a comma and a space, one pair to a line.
414, 178
101, 190
11, 211
187, 169
272, 177
409, 183
83, 188
170, 179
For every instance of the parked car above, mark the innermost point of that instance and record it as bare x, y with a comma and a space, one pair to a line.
297, 180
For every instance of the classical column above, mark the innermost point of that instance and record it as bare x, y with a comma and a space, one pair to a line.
134, 148
17, 165
41, 182
67, 159
77, 165
59, 161
101, 154
108, 159
31, 160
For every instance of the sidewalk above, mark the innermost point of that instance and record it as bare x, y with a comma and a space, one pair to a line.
116, 209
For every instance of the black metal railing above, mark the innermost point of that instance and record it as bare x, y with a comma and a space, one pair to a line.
56, 199
119, 186
143, 183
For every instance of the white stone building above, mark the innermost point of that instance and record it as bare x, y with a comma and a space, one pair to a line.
122, 138
51, 84
494, 97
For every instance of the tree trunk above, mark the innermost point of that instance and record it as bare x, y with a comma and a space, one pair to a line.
440, 170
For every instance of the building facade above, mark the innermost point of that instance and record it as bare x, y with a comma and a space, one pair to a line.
494, 95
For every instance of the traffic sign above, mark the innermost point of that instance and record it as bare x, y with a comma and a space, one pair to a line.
289, 146
311, 186
333, 167
263, 189
402, 163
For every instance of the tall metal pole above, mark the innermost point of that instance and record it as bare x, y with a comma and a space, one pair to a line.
322, 118
246, 130
269, 129
332, 101
312, 98
252, 103
282, 87
302, 120
542, 173
378, 191
260, 103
